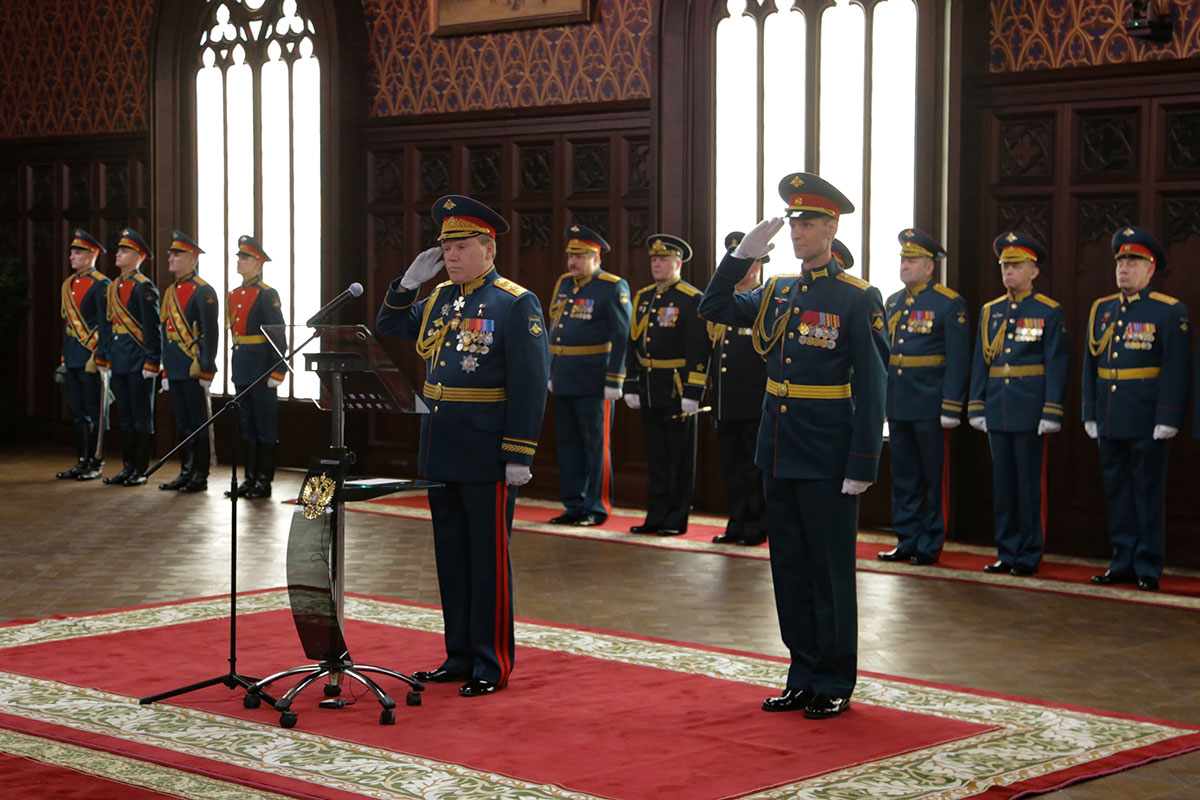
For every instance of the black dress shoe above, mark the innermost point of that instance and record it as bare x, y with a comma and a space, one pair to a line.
589, 520
669, 532
895, 555
440, 675
1022, 571
727, 538
1148, 584
566, 518
1108, 577
477, 687
998, 567
644, 528
823, 706
922, 560
791, 700
753, 541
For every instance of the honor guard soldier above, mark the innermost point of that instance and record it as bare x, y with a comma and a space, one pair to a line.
1136, 377
822, 333
247, 309
589, 332
666, 372
1018, 386
131, 354
738, 377
190, 325
83, 300
926, 389
483, 340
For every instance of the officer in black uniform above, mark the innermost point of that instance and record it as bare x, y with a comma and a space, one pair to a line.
822, 333
130, 353
738, 376
927, 386
190, 327
484, 344
82, 307
247, 309
1018, 386
666, 372
589, 333
1136, 377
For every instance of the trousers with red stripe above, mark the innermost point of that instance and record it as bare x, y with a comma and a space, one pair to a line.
472, 523
918, 456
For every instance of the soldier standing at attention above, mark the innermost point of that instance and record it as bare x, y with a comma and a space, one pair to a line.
665, 378
83, 311
247, 309
190, 323
589, 332
484, 344
131, 352
822, 334
927, 386
1135, 394
1018, 386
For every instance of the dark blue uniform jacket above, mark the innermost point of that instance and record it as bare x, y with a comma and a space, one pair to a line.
589, 333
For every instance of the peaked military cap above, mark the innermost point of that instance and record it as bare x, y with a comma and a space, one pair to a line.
1134, 241
916, 243
664, 244
1011, 247
842, 255
806, 193
460, 217
733, 239
83, 240
183, 243
250, 246
134, 241
585, 240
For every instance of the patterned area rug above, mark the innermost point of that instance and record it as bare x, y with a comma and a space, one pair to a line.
588, 715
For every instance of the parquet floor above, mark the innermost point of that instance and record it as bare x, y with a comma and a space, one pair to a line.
71, 547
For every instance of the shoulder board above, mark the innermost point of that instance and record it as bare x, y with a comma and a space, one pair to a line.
947, 291
140, 278
443, 284
1002, 298
1164, 298
853, 280
1105, 299
263, 287
1048, 301
512, 287
644, 289
200, 281
608, 276
563, 277
687, 288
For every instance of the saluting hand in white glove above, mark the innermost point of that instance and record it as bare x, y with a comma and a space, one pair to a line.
427, 264
757, 243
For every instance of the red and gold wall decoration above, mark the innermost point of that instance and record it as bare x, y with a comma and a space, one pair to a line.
1032, 35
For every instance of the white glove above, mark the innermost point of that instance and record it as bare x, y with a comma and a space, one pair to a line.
427, 264
851, 486
516, 474
612, 393
550, 386
149, 373
104, 371
1090, 429
757, 243
206, 384
633, 401
950, 422
978, 423
1048, 426
165, 386
1164, 432
272, 383
689, 406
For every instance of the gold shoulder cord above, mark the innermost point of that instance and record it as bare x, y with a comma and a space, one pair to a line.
992, 348
428, 347
638, 327
763, 341
893, 322
716, 331
1097, 346
557, 307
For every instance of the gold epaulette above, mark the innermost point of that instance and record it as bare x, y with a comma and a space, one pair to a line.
1164, 298
854, 281
946, 290
645, 289
262, 287
563, 277
512, 287
687, 288
140, 278
1002, 298
1048, 301
199, 281
608, 276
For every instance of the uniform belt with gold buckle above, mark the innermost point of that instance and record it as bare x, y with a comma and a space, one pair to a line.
1130, 374
580, 350
808, 391
461, 394
901, 360
1009, 371
662, 363
249, 339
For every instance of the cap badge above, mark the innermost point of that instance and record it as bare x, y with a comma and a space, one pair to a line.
797, 181
448, 205
1012, 237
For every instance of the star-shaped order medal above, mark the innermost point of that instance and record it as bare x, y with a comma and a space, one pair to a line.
446, 309
469, 363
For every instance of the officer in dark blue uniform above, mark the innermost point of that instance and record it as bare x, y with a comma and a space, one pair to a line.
822, 333
589, 332
82, 307
247, 309
927, 386
483, 340
738, 375
666, 372
130, 352
190, 327
1136, 377
1018, 386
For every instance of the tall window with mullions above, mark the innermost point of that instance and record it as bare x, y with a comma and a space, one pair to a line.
258, 155
825, 86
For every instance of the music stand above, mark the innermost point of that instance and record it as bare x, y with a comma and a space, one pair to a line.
356, 375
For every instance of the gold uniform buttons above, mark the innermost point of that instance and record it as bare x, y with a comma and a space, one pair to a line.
1008, 349
724, 369
899, 370
783, 408
1113, 388
787, 360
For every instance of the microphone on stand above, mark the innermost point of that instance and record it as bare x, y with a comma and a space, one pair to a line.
352, 291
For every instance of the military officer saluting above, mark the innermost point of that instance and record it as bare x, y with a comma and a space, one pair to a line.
247, 309
83, 309
666, 372
589, 332
738, 375
1136, 377
927, 386
131, 353
190, 327
484, 344
1018, 386
822, 333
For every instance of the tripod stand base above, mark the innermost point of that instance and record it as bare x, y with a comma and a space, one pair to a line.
230, 679
334, 670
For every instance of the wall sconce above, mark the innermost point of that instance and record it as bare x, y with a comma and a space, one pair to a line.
1150, 20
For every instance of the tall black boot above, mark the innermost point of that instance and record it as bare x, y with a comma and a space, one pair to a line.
185, 471
265, 472
141, 459
81, 453
198, 482
250, 472
128, 443
94, 466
